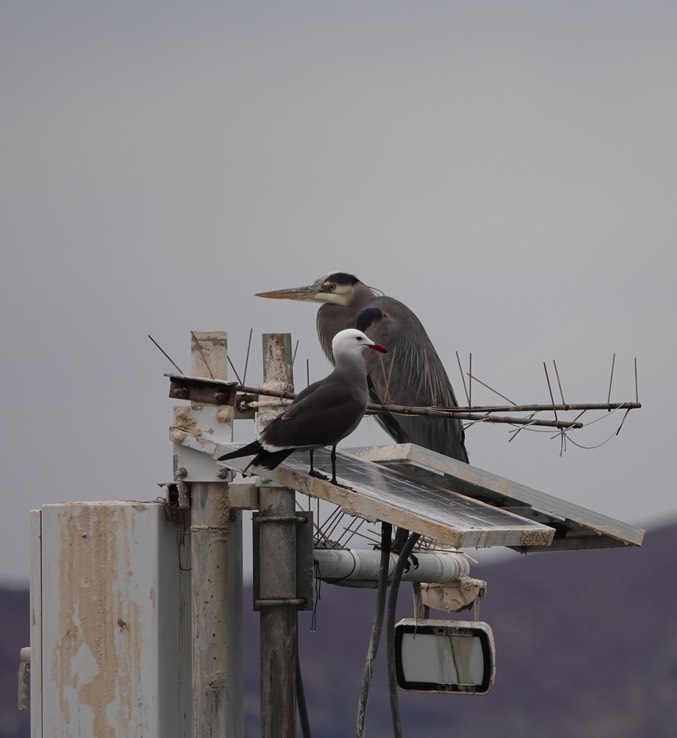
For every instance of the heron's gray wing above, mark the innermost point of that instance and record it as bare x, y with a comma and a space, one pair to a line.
411, 373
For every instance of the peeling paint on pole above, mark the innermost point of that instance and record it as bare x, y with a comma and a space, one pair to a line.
216, 552
277, 375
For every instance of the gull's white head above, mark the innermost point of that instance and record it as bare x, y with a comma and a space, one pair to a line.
351, 342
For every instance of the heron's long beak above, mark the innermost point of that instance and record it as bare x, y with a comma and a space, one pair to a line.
295, 293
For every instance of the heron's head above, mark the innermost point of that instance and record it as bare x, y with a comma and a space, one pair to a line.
338, 288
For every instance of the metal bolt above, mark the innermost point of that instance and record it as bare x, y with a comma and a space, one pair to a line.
181, 473
181, 393
222, 473
220, 398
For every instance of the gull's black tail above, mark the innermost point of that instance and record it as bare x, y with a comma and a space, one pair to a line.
251, 449
267, 459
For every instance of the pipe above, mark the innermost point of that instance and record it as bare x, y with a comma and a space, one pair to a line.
360, 567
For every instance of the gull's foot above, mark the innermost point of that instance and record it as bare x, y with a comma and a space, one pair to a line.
318, 475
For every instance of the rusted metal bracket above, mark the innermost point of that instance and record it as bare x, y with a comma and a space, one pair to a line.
204, 391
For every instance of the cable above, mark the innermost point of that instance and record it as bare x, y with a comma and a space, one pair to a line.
301, 700
390, 631
386, 533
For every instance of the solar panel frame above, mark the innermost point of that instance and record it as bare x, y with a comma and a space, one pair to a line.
575, 527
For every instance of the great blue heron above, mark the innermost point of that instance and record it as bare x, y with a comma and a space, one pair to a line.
411, 373
323, 413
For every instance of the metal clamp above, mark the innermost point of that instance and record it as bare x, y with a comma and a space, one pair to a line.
280, 519
297, 602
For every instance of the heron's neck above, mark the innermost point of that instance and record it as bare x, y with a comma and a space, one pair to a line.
332, 318
361, 296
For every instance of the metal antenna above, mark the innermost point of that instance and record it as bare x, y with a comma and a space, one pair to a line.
232, 366
606, 440
559, 384
515, 431
173, 363
350, 530
625, 415
334, 519
465, 386
491, 389
204, 358
196, 340
552, 398
246, 360
611, 377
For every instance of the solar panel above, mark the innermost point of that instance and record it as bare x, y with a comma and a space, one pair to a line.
575, 527
374, 492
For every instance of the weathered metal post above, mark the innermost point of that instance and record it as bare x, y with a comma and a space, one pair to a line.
216, 573
277, 572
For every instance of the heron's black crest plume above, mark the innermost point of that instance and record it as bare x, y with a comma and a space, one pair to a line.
342, 278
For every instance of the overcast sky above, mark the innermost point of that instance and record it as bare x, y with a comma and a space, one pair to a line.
506, 169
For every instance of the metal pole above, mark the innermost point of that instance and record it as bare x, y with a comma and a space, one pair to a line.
277, 573
216, 576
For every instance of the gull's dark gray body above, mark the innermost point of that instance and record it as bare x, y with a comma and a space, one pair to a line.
410, 374
324, 413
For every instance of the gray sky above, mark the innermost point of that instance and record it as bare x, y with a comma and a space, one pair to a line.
506, 169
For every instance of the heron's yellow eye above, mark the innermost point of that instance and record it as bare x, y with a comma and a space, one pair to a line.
331, 287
